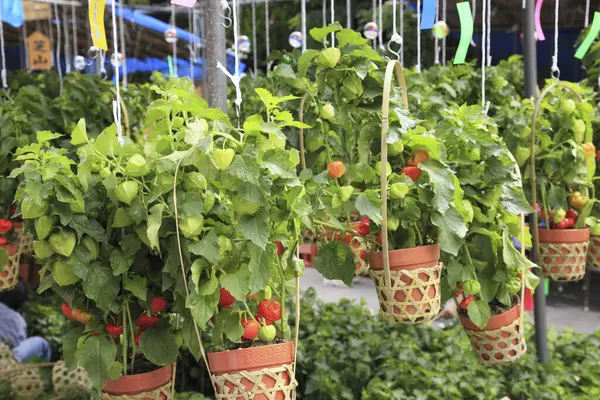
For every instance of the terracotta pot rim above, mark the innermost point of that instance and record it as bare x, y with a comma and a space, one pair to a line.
251, 358
564, 235
139, 383
495, 321
427, 256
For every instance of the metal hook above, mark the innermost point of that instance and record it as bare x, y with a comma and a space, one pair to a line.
555, 71
396, 38
226, 13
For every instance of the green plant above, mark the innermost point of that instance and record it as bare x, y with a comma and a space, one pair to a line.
45, 320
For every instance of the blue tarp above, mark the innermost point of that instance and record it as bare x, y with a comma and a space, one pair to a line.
12, 12
149, 22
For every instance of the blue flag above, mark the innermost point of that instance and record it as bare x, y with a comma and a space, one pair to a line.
12, 12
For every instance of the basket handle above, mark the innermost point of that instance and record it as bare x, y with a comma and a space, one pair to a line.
394, 67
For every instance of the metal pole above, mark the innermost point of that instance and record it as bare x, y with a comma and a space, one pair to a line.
530, 63
214, 40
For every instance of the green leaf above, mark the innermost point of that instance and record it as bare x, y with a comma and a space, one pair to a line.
514, 201
159, 346
479, 313
119, 263
232, 328
121, 218
79, 134
446, 190
209, 286
452, 230
256, 228
370, 205
319, 34
136, 285
101, 286
208, 247
154, 223
336, 261
97, 355
115, 371
106, 143
202, 307
237, 283
189, 336
260, 267
69, 346
43, 226
305, 59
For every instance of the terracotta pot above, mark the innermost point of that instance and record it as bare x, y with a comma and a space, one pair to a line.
563, 253
140, 384
308, 252
417, 294
226, 367
593, 255
501, 341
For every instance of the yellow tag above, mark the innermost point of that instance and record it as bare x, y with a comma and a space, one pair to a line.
40, 56
96, 15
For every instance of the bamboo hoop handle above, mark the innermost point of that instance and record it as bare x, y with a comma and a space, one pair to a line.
394, 67
126, 115
538, 105
301, 136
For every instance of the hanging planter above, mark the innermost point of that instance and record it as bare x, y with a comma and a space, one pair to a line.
155, 385
261, 373
501, 341
67, 382
410, 291
563, 253
593, 255
9, 273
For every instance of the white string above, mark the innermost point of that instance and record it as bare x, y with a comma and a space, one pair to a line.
374, 19
436, 41
483, 51
116, 103
58, 38
333, 22
235, 79
474, 7
67, 40
254, 44
402, 31
381, 46
267, 30
3, 72
122, 39
25, 45
555, 69
394, 26
489, 31
324, 12
51, 35
418, 36
524, 5
587, 13
192, 29
75, 41
444, 39
303, 12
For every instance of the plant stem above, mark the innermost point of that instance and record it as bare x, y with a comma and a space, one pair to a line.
124, 344
132, 337
545, 207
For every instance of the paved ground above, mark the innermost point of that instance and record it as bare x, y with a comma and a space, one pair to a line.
564, 310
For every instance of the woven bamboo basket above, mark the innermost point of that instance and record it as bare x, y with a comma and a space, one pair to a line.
593, 255
9, 274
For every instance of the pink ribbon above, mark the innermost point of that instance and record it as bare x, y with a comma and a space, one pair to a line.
538, 23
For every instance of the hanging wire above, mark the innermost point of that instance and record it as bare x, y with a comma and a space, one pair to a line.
402, 31
375, 19
24, 28
173, 24
489, 33
3, 72
254, 44
348, 14
381, 46
51, 35
116, 103
555, 70
75, 41
418, 36
333, 21
436, 46
587, 13
325, 12
483, 51
267, 30
122, 39
304, 33
58, 39
192, 29
394, 26
67, 39
444, 39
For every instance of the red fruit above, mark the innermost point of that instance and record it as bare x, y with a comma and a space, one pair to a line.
5, 226
413, 173
336, 169
572, 214
562, 224
12, 210
269, 309
348, 238
364, 227
280, 248
147, 321
363, 255
138, 336
458, 293
114, 330
159, 303
66, 309
225, 298
251, 328
569, 223
379, 239
418, 157
465, 302
2, 241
